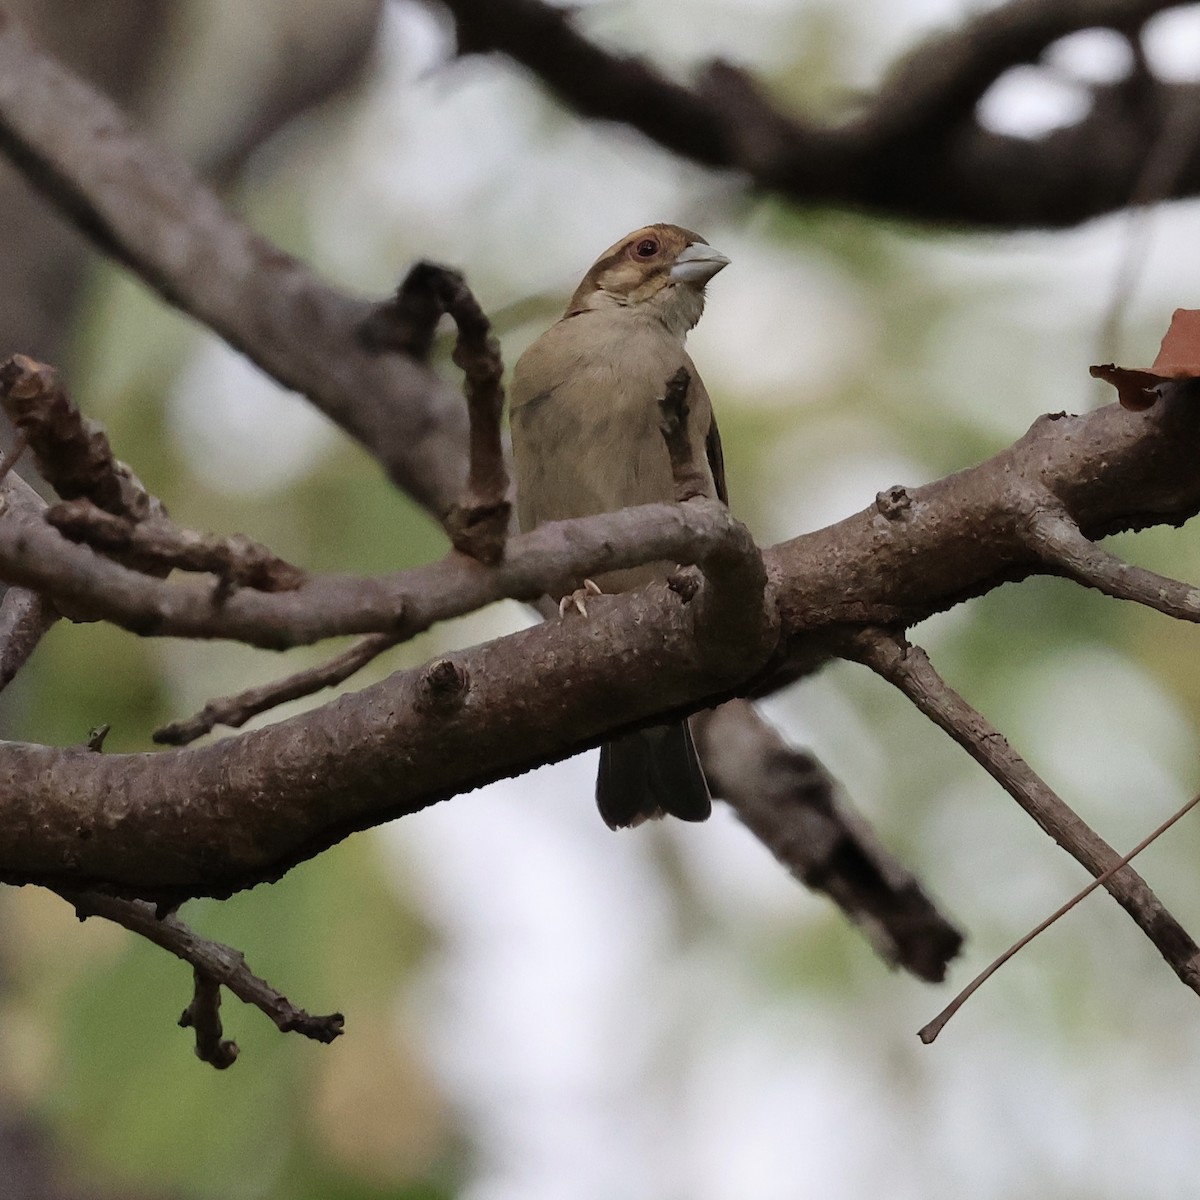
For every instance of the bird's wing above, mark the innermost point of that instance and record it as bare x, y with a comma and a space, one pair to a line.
701, 407
716, 460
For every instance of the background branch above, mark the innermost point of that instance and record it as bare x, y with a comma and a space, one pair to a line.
915, 150
143, 206
790, 803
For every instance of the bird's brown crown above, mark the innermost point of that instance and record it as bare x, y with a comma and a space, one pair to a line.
635, 269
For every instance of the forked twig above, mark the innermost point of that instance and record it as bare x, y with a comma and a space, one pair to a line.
215, 965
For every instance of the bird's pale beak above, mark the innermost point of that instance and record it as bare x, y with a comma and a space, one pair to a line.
697, 264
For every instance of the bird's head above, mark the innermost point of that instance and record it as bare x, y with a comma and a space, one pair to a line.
658, 272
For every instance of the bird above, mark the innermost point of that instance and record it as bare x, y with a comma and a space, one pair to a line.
586, 439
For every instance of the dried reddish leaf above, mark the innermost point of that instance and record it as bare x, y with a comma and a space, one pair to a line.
1137, 389
1178, 359
1179, 354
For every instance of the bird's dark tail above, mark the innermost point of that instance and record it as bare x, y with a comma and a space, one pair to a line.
649, 774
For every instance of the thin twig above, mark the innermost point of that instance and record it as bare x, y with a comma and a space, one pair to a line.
235, 711
238, 561
928, 1033
478, 522
203, 1015
909, 669
215, 964
1059, 542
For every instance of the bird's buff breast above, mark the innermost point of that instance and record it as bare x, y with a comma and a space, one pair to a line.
589, 441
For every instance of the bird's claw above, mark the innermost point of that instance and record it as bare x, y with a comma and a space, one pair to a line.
578, 598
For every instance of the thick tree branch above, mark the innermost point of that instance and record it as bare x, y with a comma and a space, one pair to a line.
917, 551
908, 669
216, 818
914, 150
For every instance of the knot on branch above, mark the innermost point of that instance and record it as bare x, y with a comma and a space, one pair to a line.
443, 685
894, 502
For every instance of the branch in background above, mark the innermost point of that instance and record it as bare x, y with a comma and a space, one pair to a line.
907, 668
215, 966
789, 802
939, 83
478, 522
235, 711
141, 204
915, 150
321, 64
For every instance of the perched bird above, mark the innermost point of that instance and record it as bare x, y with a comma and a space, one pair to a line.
586, 439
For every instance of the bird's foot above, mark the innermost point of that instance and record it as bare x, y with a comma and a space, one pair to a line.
578, 598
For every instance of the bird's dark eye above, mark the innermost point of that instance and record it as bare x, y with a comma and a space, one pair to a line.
646, 248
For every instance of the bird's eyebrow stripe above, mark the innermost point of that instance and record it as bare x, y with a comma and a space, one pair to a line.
610, 261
